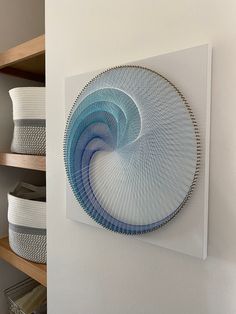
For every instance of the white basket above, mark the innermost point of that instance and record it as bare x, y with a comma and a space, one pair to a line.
27, 222
29, 120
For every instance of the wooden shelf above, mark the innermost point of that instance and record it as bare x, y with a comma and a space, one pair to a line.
33, 270
26, 60
23, 161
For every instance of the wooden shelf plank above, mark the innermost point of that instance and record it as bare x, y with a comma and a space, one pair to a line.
27, 50
33, 270
23, 161
26, 60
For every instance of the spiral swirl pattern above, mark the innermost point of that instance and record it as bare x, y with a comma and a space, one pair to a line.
131, 150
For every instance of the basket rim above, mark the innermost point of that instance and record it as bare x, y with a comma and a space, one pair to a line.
10, 195
27, 88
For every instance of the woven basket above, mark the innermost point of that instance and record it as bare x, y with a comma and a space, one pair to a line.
27, 222
16, 293
29, 135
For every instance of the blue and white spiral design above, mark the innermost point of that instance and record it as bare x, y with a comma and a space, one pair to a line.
131, 150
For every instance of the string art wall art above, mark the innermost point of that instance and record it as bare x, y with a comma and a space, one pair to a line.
132, 149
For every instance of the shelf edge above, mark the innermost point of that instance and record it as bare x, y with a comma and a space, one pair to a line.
31, 162
33, 270
24, 51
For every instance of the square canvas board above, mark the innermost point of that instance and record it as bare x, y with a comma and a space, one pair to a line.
190, 71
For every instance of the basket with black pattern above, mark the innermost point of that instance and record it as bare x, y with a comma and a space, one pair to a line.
22, 298
17, 291
27, 222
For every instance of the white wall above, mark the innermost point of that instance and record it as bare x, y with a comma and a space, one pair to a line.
19, 21
96, 272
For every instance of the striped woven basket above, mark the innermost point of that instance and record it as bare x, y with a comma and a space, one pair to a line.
29, 135
27, 222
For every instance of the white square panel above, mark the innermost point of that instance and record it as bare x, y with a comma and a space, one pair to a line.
190, 71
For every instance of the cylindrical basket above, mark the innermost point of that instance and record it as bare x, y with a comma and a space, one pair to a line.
21, 300
29, 135
17, 291
27, 222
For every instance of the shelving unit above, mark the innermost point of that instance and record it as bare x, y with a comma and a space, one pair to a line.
23, 161
26, 60
35, 271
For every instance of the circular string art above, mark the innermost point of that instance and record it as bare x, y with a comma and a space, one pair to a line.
131, 150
